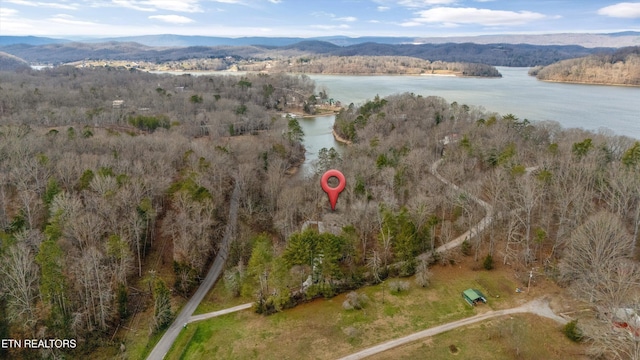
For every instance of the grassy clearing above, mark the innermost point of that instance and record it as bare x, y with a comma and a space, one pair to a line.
323, 329
522, 336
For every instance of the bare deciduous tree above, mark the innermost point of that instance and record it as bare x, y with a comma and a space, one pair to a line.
20, 277
595, 257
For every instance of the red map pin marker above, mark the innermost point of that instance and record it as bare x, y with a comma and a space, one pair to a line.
333, 192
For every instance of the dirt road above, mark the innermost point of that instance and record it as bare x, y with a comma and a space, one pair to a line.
539, 307
213, 314
477, 228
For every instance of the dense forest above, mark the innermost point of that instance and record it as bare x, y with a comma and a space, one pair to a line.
115, 186
100, 168
619, 68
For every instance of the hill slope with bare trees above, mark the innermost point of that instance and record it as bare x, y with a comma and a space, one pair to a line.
115, 188
370, 65
619, 68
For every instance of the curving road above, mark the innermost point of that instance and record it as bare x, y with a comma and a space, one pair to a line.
539, 307
165, 343
477, 228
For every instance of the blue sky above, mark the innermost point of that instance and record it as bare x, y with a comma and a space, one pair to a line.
304, 18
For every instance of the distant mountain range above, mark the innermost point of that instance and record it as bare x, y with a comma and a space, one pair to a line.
29, 40
496, 50
490, 54
612, 40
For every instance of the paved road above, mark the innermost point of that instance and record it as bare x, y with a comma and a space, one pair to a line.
165, 343
477, 228
210, 315
539, 307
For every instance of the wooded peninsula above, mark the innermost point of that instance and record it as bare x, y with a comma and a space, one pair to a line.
619, 68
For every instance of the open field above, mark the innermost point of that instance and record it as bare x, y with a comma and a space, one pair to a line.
322, 329
522, 336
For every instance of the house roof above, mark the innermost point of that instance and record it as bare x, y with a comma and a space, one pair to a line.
628, 316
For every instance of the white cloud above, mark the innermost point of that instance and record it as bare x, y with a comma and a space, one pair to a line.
323, 14
331, 27
228, 1
14, 25
347, 19
134, 5
43, 4
70, 20
5, 12
622, 10
275, 1
411, 24
172, 19
425, 3
383, 8
486, 17
189, 6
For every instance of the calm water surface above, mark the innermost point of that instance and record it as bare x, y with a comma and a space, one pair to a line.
590, 107
572, 105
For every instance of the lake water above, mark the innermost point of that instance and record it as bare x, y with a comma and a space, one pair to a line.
317, 135
589, 107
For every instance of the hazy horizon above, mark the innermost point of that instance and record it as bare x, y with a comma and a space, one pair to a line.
88, 19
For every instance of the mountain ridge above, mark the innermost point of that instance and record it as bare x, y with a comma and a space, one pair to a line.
517, 55
615, 40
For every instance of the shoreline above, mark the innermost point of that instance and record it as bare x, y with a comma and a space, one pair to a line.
235, 72
298, 115
339, 138
293, 169
587, 83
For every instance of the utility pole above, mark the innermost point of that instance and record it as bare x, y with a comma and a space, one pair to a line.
530, 277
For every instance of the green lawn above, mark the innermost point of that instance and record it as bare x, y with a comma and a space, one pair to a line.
322, 329
219, 298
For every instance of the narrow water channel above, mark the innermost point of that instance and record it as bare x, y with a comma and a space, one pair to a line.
317, 135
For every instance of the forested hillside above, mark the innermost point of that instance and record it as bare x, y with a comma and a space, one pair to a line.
619, 68
368, 65
115, 184
114, 190
9, 62
565, 202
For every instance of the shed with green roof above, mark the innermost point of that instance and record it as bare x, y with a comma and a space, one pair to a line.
473, 296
